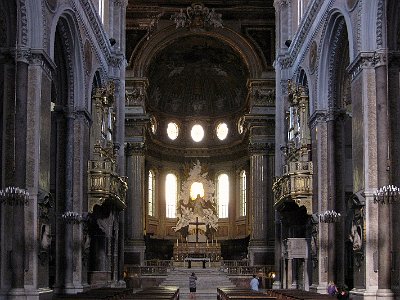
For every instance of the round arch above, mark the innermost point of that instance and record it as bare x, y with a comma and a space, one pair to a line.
142, 56
73, 49
336, 34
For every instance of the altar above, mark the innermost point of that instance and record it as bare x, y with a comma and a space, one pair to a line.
197, 222
186, 251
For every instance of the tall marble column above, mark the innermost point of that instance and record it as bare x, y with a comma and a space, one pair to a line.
320, 200
331, 197
68, 229
258, 204
18, 226
134, 246
384, 230
365, 168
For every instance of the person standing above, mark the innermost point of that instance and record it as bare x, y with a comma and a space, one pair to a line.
254, 283
192, 286
332, 289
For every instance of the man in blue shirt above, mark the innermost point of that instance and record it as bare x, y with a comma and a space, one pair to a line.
254, 283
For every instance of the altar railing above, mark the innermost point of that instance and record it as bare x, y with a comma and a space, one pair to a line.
139, 271
249, 270
197, 250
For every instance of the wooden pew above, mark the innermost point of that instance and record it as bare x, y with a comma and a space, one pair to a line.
296, 295
99, 293
157, 293
241, 294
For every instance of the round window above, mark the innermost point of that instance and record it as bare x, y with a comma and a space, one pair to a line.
172, 131
222, 131
197, 133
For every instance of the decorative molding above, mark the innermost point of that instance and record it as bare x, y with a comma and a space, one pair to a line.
259, 148
40, 57
83, 114
197, 17
24, 23
135, 149
69, 62
365, 60
379, 23
318, 116
335, 48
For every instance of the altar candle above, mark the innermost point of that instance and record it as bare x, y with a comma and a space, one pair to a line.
176, 242
212, 242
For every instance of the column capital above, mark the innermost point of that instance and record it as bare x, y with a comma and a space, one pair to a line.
135, 148
367, 60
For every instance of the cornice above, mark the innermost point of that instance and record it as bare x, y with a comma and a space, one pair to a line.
366, 60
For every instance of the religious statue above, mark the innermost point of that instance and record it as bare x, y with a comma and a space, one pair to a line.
196, 202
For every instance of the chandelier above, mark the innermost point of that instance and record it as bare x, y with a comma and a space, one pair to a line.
387, 194
329, 216
197, 17
14, 196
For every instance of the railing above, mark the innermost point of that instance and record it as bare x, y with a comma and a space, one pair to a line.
139, 271
158, 263
249, 270
234, 263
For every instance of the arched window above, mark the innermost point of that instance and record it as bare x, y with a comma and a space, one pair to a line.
223, 195
171, 195
243, 194
151, 194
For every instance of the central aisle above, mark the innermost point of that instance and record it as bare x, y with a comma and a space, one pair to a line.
208, 280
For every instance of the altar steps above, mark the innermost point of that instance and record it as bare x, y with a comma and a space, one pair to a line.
208, 280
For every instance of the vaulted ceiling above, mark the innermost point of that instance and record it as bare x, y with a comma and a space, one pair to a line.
195, 69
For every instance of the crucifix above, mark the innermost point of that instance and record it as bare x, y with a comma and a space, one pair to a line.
197, 223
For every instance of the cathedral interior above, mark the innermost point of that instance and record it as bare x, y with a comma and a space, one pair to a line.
140, 134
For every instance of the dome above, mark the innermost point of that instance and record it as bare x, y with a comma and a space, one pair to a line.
197, 75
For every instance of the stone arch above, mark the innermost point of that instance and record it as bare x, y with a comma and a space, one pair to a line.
67, 26
336, 35
334, 97
142, 56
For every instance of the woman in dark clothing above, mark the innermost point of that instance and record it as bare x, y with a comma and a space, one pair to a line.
192, 285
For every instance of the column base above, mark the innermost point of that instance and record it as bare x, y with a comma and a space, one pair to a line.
320, 289
384, 294
24, 294
134, 252
260, 253
361, 294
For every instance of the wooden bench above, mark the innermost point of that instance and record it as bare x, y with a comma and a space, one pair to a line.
241, 294
157, 293
296, 295
99, 293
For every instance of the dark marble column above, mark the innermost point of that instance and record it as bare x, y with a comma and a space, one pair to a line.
134, 212
18, 241
384, 214
69, 185
258, 203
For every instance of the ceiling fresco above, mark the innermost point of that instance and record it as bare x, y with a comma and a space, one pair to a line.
197, 76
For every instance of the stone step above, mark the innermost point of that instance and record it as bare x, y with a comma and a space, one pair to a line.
208, 280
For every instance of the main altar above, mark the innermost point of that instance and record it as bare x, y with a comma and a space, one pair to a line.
197, 222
